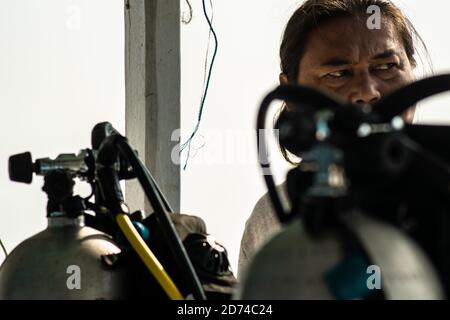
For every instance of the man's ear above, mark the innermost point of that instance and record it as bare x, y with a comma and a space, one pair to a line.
283, 79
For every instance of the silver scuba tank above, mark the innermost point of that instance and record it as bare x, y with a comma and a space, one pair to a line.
63, 262
294, 265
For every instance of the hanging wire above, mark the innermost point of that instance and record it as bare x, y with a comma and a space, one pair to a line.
205, 73
189, 19
207, 50
3, 247
187, 144
199, 138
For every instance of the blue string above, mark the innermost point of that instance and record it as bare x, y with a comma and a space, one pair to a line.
202, 103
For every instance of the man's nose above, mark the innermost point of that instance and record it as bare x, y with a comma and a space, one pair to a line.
365, 91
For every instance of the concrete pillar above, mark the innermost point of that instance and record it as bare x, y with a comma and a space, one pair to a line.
152, 66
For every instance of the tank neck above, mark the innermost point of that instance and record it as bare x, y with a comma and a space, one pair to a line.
59, 219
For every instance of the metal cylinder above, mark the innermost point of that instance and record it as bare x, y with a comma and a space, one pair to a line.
294, 265
63, 262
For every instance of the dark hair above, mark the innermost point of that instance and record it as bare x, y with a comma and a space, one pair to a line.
312, 13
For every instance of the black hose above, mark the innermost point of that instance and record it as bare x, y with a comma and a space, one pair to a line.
308, 98
158, 190
3, 248
405, 97
168, 229
108, 153
346, 116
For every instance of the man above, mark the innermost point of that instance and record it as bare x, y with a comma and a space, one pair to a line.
355, 50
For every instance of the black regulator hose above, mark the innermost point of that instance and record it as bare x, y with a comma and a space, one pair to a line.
103, 130
348, 117
308, 98
110, 149
400, 100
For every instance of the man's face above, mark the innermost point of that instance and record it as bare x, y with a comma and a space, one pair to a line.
345, 58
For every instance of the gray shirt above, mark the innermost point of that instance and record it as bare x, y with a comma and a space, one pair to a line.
260, 227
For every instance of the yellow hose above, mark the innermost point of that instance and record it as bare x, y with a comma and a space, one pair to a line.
148, 257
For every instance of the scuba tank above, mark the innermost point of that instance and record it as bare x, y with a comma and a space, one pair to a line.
98, 249
369, 201
294, 265
64, 261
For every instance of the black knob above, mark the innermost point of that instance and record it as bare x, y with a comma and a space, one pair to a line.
297, 130
20, 167
100, 132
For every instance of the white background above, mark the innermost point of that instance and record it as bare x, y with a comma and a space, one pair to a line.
59, 77
61, 72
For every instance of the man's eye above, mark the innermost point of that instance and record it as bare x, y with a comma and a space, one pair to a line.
386, 66
338, 74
